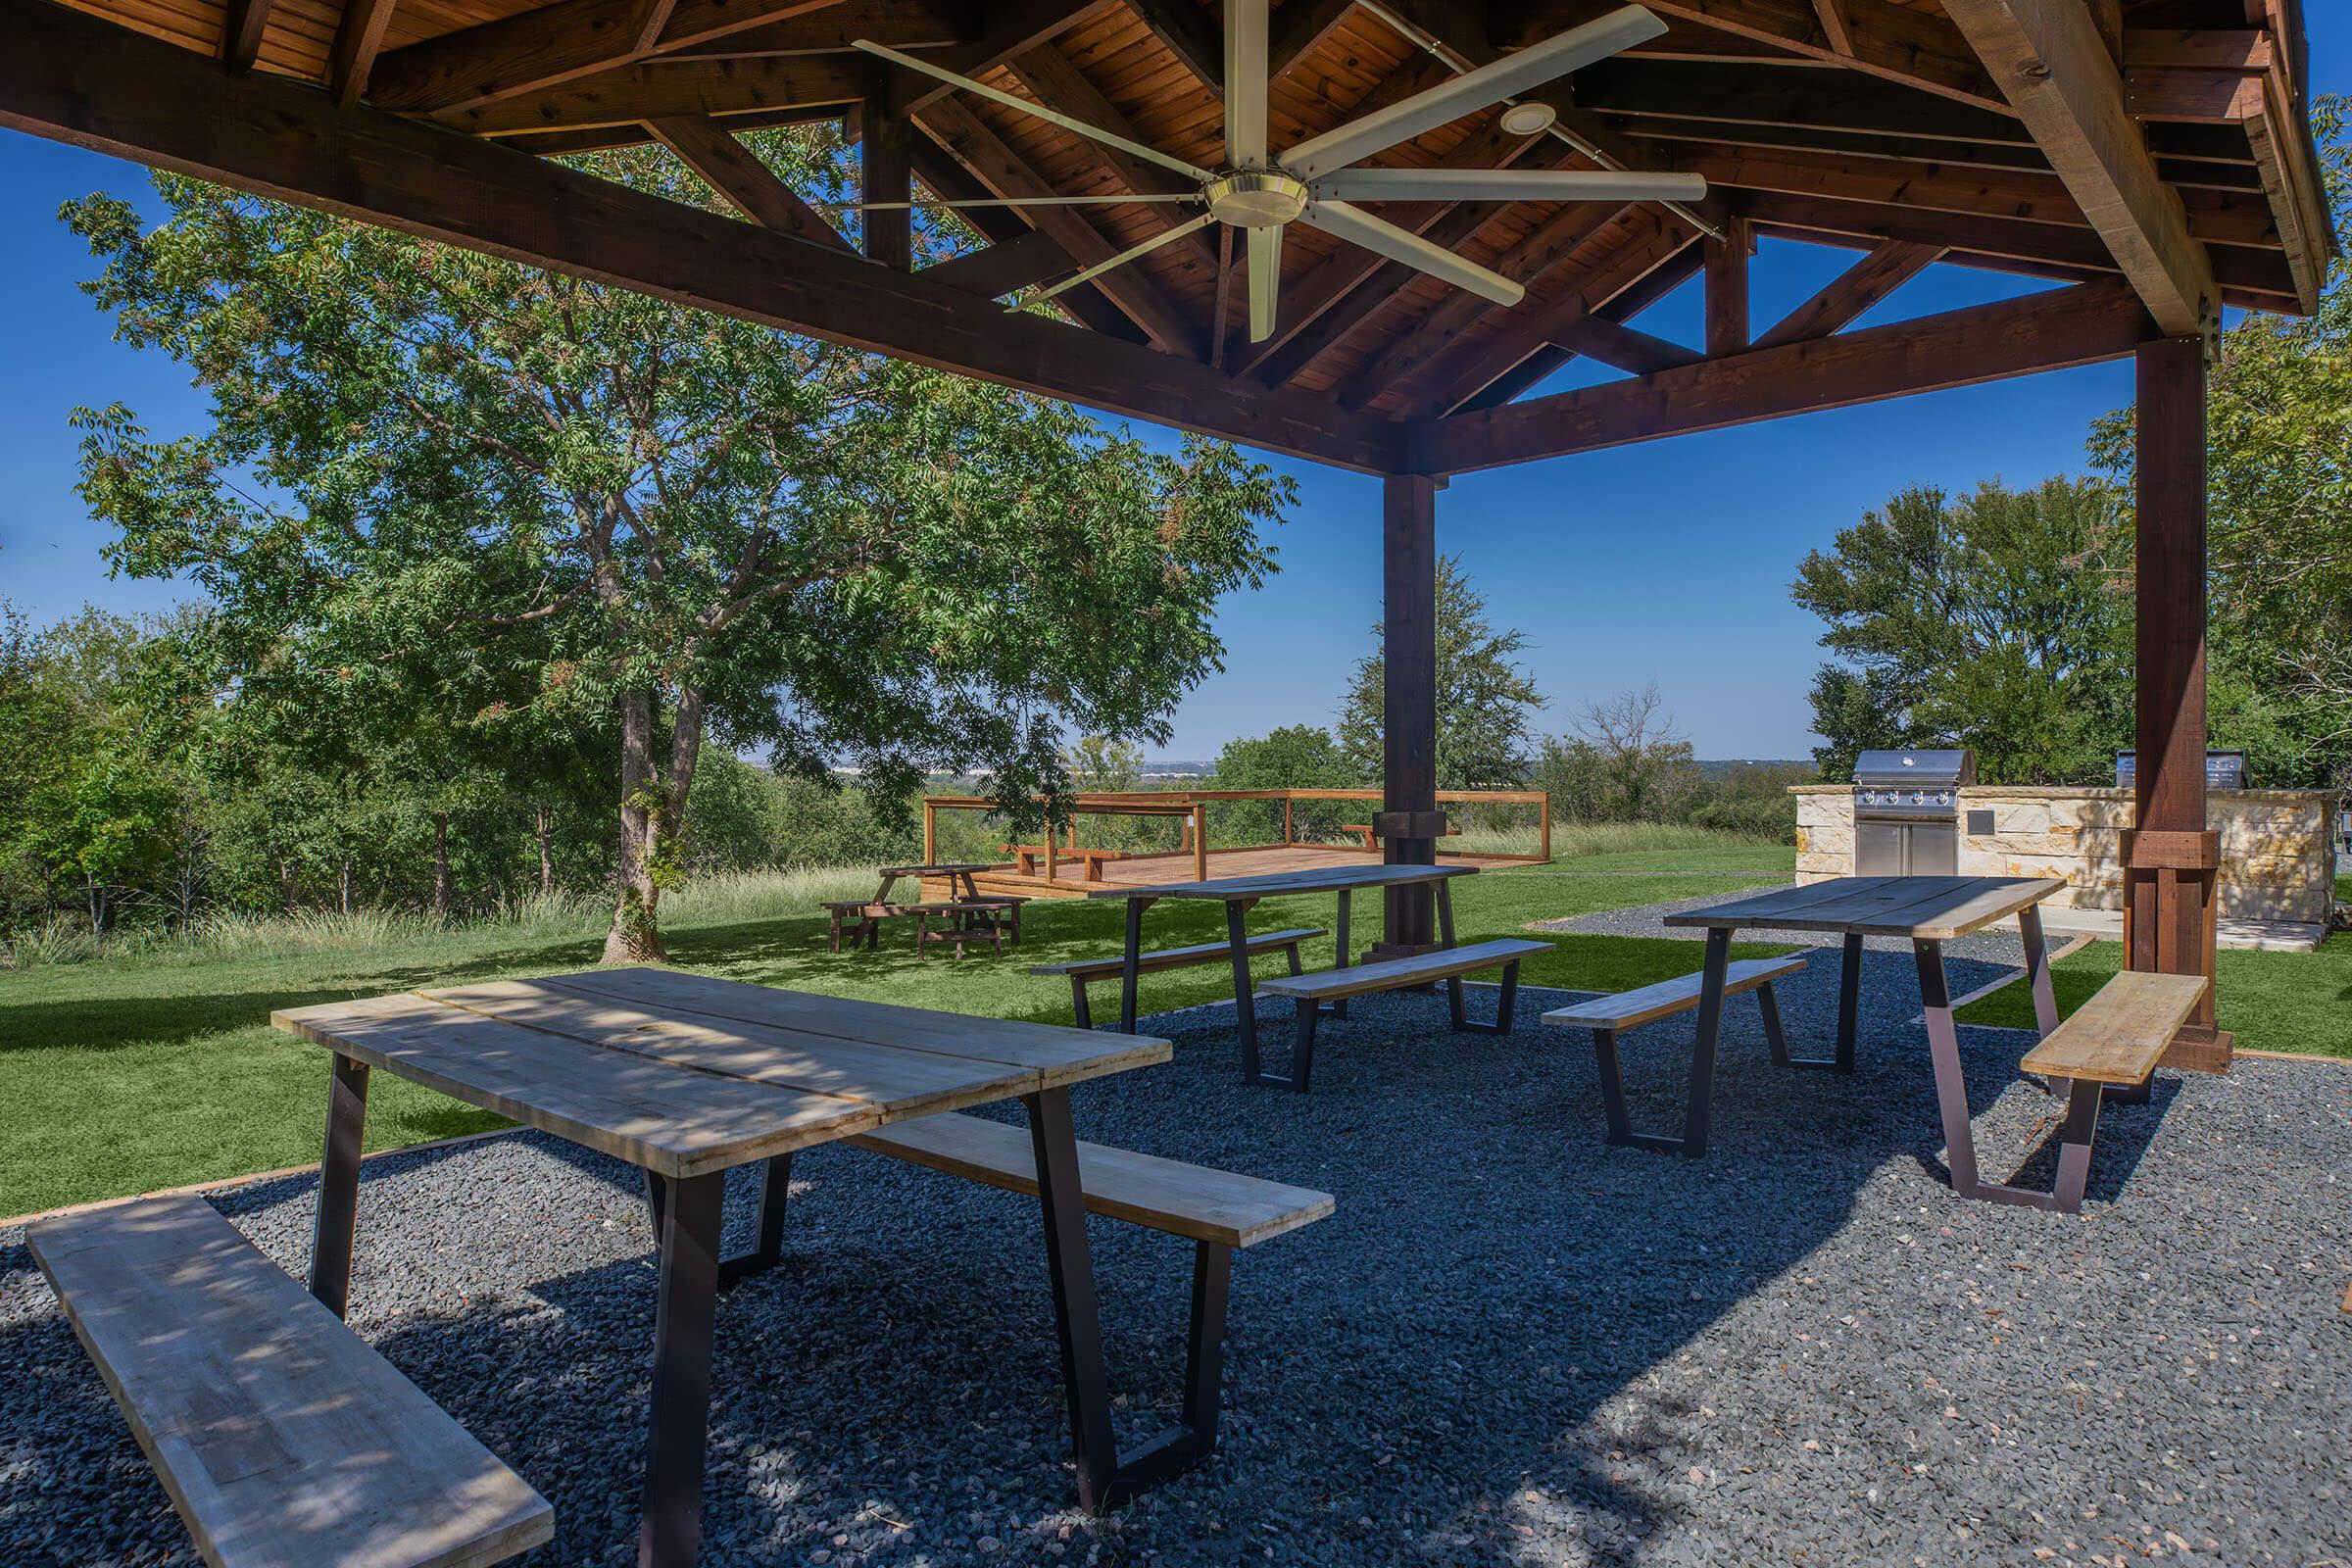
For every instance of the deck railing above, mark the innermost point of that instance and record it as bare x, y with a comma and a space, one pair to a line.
1191, 808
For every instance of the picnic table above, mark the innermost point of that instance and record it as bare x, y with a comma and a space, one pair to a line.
686, 1077
976, 915
1927, 911
1239, 894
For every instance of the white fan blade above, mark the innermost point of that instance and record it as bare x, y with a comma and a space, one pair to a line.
1360, 228
1465, 94
1122, 199
1265, 281
1124, 257
1245, 70
1508, 185
1035, 110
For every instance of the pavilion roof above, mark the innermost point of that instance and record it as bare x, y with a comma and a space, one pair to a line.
2175, 156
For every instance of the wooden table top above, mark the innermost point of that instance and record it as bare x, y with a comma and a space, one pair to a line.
1924, 909
955, 868
685, 1074
1274, 884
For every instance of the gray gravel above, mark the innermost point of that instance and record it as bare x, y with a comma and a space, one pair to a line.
1510, 1345
1997, 945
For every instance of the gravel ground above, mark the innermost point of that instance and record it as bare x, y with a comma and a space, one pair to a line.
1510, 1346
1995, 945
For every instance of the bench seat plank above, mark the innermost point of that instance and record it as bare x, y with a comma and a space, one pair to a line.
1631, 1010
1393, 974
1163, 1194
1176, 957
2119, 1035
284, 1440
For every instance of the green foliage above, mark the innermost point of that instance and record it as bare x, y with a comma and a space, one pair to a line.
494, 515
1486, 701
1294, 756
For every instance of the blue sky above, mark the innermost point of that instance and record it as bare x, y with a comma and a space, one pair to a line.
1667, 562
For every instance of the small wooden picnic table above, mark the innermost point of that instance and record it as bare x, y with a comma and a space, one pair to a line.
1240, 893
1926, 911
958, 875
686, 1077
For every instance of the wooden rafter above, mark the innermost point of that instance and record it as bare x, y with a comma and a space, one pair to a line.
2050, 61
736, 173
1004, 172
359, 39
1191, 35
1548, 246
2080, 326
900, 23
1004, 268
1836, 26
1298, 30
241, 27
1060, 85
1853, 292
885, 173
1652, 286
1727, 299
1013, 29
71, 76
1914, 48
660, 89
1622, 347
942, 175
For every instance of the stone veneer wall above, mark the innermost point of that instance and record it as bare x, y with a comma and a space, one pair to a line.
2278, 863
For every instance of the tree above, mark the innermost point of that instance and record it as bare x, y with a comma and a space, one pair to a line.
542, 501
1299, 756
1485, 699
2280, 413
1998, 622
1626, 763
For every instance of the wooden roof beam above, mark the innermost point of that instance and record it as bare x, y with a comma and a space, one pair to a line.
2051, 63
900, 23
658, 89
1621, 347
1004, 172
73, 78
1531, 371
1013, 29
241, 25
942, 175
736, 173
1851, 293
1896, 44
1004, 268
2080, 326
1192, 34
359, 39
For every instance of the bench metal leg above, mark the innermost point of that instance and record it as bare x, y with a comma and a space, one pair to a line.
339, 1185
678, 1427
1084, 1014
1613, 1103
1244, 1003
2074, 1147
1776, 1039
1177, 1449
767, 1245
1506, 1004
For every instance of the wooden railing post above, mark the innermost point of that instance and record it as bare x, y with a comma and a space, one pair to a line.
1544, 848
1287, 840
930, 833
1200, 842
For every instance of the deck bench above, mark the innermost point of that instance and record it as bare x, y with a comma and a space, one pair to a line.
1090, 862
1612, 1016
283, 1439
1370, 833
1084, 971
1217, 1212
1334, 986
2115, 1037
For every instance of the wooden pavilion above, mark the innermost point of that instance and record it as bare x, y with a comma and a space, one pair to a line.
2153, 156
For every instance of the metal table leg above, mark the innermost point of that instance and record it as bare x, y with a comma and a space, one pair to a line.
1952, 1099
1105, 1477
686, 1306
1849, 1007
1701, 1109
1245, 1000
339, 1185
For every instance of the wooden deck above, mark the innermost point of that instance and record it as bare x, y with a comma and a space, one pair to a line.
1069, 880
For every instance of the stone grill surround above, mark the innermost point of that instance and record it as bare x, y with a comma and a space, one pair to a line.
2276, 859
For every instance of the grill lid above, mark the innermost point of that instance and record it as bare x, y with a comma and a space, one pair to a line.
1915, 769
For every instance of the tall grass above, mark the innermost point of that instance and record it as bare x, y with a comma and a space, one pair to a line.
725, 897
1571, 839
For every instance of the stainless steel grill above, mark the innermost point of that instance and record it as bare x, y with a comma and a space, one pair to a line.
1907, 811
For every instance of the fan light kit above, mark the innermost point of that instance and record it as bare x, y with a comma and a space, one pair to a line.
1316, 181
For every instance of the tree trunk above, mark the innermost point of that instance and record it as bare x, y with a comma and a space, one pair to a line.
652, 809
546, 827
343, 890
441, 866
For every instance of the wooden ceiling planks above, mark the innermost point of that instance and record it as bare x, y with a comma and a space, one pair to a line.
1895, 135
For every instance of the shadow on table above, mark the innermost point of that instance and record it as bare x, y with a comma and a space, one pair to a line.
1464, 1364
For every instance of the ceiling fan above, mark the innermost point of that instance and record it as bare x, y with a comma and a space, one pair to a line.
1316, 182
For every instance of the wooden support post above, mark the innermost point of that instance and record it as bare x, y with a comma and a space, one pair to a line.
930, 834
1200, 842
1727, 290
2170, 918
1409, 696
1544, 827
885, 159
1287, 839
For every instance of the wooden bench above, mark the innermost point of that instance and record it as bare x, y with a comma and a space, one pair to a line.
1448, 964
1216, 1210
1610, 1016
2117, 1037
1371, 834
1090, 862
283, 1439
1082, 972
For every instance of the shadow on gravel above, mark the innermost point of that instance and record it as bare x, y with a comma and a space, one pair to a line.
1502, 1348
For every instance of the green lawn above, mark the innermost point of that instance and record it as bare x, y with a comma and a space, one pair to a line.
2298, 1002
126, 1074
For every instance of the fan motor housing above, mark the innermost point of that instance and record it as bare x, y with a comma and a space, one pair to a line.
1255, 198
